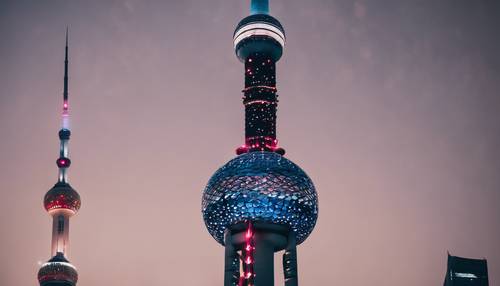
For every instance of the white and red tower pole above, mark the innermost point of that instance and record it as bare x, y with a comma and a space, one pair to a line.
61, 202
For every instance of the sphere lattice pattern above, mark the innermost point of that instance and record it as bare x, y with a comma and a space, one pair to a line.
57, 271
62, 196
260, 186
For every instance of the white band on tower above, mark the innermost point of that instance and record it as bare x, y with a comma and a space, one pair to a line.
259, 29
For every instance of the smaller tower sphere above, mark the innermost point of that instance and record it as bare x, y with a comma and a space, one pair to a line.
62, 196
259, 33
262, 187
63, 162
57, 271
64, 134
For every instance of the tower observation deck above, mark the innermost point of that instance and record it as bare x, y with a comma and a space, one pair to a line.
259, 202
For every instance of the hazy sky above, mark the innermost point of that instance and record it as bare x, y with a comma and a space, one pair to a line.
392, 107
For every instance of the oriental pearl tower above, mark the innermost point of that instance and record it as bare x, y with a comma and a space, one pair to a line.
259, 202
61, 202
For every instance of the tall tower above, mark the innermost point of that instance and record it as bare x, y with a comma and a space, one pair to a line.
61, 202
259, 202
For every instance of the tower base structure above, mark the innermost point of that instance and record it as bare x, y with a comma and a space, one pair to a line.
267, 239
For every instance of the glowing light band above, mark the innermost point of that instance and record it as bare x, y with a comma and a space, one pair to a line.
259, 29
248, 260
259, 86
465, 275
259, 102
59, 263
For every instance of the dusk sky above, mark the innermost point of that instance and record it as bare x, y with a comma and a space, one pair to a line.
391, 107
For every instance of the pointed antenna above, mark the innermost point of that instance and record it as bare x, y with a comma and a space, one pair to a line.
65, 92
259, 7
64, 162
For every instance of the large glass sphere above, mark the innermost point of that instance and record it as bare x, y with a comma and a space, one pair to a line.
62, 196
260, 186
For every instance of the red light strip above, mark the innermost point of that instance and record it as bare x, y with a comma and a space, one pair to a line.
248, 260
258, 101
260, 86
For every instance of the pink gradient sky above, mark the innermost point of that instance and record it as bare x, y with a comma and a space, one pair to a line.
391, 107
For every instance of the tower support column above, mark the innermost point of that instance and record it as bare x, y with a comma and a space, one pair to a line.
290, 261
231, 262
264, 260
60, 233
266, 240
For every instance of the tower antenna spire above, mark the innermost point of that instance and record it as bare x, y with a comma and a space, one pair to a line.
64, 162
259, 7
65, 92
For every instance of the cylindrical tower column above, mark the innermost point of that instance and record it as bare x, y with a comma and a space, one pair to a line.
260, 100
264, 260
290, 261
60, 233
231, 261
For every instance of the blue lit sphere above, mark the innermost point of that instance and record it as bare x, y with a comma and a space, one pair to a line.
260, 186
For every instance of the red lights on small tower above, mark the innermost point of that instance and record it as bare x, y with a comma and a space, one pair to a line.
63, 162
247, 257
62, 197
61, 202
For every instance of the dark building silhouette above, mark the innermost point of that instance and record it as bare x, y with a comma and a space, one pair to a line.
61, 202
466, 272
259, 202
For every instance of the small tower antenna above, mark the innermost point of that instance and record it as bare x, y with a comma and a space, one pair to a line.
259, 7
61, 202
